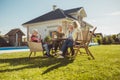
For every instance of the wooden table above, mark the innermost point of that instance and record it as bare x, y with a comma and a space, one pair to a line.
55, 41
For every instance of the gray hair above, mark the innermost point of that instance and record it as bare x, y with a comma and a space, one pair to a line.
35, 30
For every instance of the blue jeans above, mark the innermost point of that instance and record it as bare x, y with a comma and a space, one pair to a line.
47, 49
66, 44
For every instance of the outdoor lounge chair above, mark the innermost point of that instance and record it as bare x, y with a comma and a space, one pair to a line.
84, 38
35, 47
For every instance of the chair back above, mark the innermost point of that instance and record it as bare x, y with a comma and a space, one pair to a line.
90, 34
82, 35
34, 47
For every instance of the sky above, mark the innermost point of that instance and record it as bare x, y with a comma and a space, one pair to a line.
103, 14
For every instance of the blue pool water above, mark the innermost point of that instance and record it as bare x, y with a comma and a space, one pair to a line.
13, 48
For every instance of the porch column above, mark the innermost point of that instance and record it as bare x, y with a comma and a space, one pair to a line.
64, 26
28, 33
16, 38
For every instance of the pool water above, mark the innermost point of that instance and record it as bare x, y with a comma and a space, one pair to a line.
13, 48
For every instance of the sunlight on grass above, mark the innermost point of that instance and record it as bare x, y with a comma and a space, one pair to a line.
106, 66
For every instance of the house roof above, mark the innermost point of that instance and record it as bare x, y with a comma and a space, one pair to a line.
72, 10
14, 31
56, 14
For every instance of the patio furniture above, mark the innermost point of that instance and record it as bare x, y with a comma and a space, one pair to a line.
84, 38
35, 47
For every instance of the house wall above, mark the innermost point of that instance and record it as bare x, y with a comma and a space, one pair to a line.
12, 40
44, 28
74, 15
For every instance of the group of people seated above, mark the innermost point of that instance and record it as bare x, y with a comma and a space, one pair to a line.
58, 40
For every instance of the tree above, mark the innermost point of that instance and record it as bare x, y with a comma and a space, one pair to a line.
114, 36
99, 39
3, 42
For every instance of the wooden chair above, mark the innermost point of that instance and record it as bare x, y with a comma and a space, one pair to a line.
35, 47
84, 38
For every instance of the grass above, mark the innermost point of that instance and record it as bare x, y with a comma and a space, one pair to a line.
106, 66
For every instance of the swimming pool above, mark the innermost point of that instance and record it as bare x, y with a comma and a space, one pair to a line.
13, 48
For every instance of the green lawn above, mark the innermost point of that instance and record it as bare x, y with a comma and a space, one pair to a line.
106, 66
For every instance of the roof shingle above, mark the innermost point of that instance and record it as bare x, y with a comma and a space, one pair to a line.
14, 31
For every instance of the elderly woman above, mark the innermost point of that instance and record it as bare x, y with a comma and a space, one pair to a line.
36, 37
70, 38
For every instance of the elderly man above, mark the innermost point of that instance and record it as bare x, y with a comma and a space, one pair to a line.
58, 34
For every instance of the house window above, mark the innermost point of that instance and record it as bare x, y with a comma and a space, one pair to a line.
52, 29
50, 32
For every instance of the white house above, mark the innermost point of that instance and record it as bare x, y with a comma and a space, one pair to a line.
49, 22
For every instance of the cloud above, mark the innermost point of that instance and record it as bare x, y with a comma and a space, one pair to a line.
93, 20
90, 20
117, 13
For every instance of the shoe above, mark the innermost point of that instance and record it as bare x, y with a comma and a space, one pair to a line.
49, 55
45, 55
54, 54
60, 57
